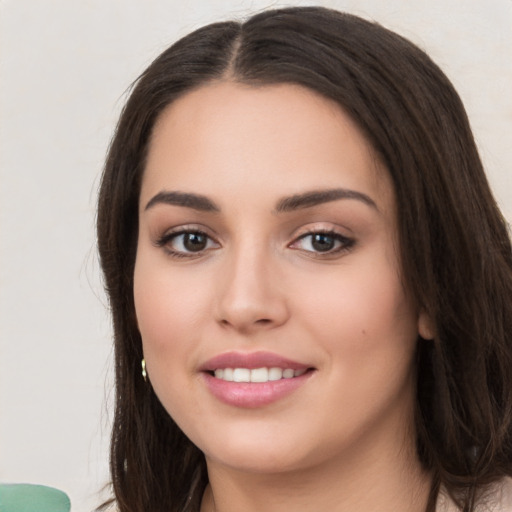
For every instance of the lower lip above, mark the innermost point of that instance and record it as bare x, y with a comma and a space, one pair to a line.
251, 395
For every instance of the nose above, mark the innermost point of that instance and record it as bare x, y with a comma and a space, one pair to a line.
250, 296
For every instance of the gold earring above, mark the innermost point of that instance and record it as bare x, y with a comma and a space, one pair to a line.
144, 373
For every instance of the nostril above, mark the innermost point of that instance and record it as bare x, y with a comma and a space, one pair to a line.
261, 321
264, 321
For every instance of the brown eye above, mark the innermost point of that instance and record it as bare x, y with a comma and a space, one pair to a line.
323, 243
186, 243
194, 242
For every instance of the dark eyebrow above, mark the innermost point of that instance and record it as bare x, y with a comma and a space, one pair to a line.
316, 197
194, 201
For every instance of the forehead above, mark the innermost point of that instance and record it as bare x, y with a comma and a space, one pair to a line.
275, 138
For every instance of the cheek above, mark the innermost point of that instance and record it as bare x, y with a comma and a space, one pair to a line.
367, 330
172, 308
168, 305
152, 305
166, 320
362, 315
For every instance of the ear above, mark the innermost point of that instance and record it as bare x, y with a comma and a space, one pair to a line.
425, 326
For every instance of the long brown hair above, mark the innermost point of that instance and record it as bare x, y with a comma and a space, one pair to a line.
455, 248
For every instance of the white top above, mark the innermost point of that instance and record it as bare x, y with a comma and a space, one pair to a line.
497, 499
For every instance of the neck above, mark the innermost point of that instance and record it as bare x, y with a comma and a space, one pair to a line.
393, 484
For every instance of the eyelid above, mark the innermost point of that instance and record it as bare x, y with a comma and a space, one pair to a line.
346, 242
163, 240
343, 243
183, 228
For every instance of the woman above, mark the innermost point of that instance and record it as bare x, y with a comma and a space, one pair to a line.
307, 266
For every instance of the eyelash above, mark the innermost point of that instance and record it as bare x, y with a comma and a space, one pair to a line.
167, 238
345, 243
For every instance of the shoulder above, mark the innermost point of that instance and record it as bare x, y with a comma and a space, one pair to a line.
503, 496
498, 498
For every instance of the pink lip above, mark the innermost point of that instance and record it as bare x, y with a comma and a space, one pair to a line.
250, 360
252, 394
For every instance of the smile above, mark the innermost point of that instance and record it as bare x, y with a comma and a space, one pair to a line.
257, 374
255, 379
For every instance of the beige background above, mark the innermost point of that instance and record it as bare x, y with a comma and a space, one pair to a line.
64, 65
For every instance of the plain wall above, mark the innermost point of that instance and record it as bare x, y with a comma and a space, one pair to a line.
64, 65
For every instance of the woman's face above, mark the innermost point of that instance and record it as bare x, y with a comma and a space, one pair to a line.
275, 325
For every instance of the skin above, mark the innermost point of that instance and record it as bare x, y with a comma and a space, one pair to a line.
344, 439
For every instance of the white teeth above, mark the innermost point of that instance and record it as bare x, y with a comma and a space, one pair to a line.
275, 374
241, 375
257, 374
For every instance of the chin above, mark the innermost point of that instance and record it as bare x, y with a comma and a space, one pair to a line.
264, 461
265, 450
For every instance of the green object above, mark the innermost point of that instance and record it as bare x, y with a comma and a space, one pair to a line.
32, 498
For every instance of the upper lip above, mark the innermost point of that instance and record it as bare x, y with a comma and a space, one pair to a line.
250, 360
